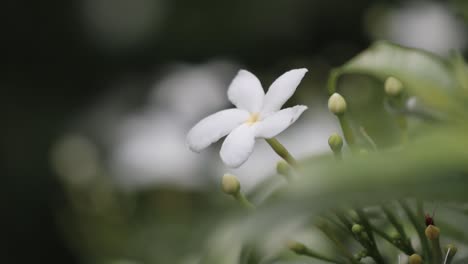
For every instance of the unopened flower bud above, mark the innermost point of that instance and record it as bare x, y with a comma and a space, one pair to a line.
354, 216
337, 104
357, 229
335, 142
453, 250
432, 232
393, 86
282, 168
415, 259
230, 184
295, 246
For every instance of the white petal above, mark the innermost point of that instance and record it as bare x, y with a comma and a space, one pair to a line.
238, 146
281, 90
212, 128
246, 92
278, 122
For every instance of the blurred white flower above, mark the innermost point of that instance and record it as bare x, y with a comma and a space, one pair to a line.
258, 115
184, 86
148, 145
152, 151
426, 25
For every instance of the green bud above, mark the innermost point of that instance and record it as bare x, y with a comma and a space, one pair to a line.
335, 142
432, 232
354, 216
393, 86
282, 168
230, 184
295, 246
453, 250
337, 104
415, 259
357, 229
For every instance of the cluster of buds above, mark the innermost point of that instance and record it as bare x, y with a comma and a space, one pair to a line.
433, 233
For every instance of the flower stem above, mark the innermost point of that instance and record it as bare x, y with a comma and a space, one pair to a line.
347, 131
373, 250
408, 251
368, 138
240, 197
399, 227
419, 230
436, 251
281, 151
344, 251
303, 250
310, 253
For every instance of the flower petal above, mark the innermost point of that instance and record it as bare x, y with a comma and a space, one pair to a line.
246, 92
281, 90
278, 122
238, 146
213, 127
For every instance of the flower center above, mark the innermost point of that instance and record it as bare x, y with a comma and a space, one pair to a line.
253, 118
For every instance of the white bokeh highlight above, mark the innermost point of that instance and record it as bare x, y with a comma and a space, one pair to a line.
426, 25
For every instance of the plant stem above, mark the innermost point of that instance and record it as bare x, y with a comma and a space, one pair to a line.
436, 251
419, 230
310, 253
404, 248
373, 250
399, 227
347, 131
240, 197
368, 138
281, 151
344, 251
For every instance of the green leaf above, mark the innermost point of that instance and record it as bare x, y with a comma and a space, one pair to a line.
434, 167
423, 74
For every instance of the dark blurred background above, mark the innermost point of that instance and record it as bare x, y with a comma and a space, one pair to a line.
63, 60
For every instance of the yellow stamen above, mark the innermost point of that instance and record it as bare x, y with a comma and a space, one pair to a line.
253, 119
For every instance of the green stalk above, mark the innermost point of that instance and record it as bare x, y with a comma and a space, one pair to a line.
419, 230
398, 226
436, 251
374, 251
310, 253
344, 251
281, 151
347, 131
408, 251
240, 197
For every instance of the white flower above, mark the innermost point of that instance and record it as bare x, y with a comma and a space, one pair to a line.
258, 115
